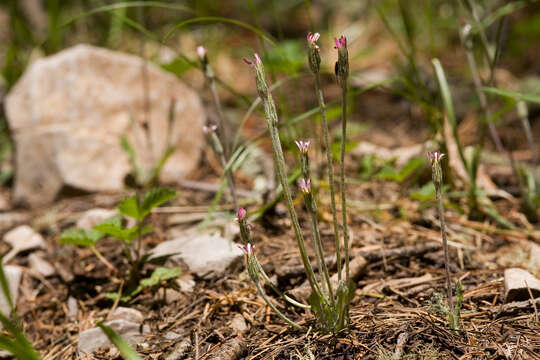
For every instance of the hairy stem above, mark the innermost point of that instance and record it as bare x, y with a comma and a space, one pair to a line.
273, 307
330, 160
342, 178
279, 160
445, 248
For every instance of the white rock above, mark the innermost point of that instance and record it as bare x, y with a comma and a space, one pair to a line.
204, 254
73, 308
68, 112
22, 238
516, 284
238, 323
40, 265
13, 277
92, 339
127, 314
94, 217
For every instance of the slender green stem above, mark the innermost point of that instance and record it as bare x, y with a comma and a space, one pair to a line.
102, 259
445, 248
311, 206
330, 159
218, 149
273, 307
280, 167
279, 292
342, 178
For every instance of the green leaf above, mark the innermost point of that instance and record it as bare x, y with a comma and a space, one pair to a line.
16, 343
425, 193
159, 275
130, 207
126, 351
153, 198
512, 94
80, 237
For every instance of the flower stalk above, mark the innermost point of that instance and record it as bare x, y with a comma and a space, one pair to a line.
314, 61
210, 131
342, 74
279, 161
305, 186
436, 173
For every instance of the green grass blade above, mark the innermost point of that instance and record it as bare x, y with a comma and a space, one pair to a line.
5, 285
512, 94
16, 343
239, 23
126, 351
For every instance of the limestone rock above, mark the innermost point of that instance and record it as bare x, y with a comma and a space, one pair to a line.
126, 322
238, 323
94, 217
68, 112
516, 282
22, 238
204, 254
40, 265
13, 277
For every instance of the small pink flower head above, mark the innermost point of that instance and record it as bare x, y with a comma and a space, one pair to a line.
208, 129
257, 61
312, 39
201, 53
435, 157
241, 214
341, 43
248, 249
304, 185
303, 146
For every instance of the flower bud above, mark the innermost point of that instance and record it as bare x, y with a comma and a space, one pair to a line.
260, 77
342, 64
303, 146
436, 170
241, 214
248, 249
314, 59
304, 185
208, 129
201, 53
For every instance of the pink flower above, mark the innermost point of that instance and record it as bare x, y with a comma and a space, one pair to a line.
303, 146
312, 39
435, 157
341, 43
241, 214
201, 52
248, 249
209, 129
304, 185
258, 60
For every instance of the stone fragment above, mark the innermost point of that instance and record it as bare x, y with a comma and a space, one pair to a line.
10, 219
40, 265
73, 308
22, 238
13, 277
126, 322
128, 314
516, 284
238, 323
94, 217
204, 254
68, 112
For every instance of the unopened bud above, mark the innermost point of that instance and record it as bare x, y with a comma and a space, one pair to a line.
342, 64
436, 170
201, 53
314, 59
241, 214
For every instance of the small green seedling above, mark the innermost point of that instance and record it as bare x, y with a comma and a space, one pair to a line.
136, 207
162, 277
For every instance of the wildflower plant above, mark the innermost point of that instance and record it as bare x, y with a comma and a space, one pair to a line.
436, 171
329, 305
